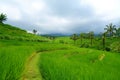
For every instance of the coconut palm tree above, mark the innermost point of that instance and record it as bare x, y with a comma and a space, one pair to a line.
118, 32
104, 39
110, 29
91, 36
81, 37
34, 31
3, 18
74, 37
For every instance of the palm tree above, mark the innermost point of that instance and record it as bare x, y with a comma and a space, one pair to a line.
34, 31
104, 39
118, 32
110, 29
74, 37
3, 18
81, 37
91, 36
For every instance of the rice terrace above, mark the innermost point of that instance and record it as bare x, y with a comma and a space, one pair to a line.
57, 48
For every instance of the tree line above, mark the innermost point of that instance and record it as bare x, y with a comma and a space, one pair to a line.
111, 31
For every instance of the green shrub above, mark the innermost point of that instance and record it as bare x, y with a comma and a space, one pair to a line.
86, 45
107, 49
115, 46
61, 41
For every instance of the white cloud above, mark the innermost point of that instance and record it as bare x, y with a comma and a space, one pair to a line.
55, 24
109, 9
38, 6
13, 13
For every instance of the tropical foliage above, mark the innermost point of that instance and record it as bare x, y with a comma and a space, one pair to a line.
110, 29
3, 17
74, 37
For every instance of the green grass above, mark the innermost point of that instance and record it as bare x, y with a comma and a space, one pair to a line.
79, 64
60, 59
13, 56
12, 60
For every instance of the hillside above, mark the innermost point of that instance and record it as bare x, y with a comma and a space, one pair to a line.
9, 32
23, 60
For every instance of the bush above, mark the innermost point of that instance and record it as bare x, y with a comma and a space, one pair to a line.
115, 46
1, 37
61, 41
7, 37
99, 47
86, 45
107, 49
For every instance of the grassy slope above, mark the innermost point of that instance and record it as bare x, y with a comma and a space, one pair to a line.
79, 64
12, 59
58, 62
13, 56
9, 32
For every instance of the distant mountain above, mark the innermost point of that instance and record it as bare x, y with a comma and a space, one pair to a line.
55, 34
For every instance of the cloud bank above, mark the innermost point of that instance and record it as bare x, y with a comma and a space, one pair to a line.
61, 16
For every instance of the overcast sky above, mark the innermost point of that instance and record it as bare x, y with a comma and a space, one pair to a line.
61, 16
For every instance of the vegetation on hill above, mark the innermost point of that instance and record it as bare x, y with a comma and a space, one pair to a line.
3, 18
109, 40
79, 64
8, 32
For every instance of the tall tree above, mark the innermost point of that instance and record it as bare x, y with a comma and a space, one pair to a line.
118, 32
3, 18
34, 31
81, 37
74, 37
91, 36
104, 39
110, 29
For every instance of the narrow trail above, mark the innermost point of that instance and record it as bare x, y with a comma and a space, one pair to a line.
31, 71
